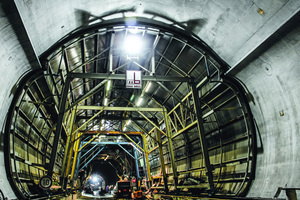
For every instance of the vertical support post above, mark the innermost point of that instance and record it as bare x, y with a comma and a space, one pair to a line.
78, 161
147, 157
77, 143
69, 159
62, 107
197, 107
70, 155
171, 149
68, 152
110, 59
162, 161
153, 63
137, 167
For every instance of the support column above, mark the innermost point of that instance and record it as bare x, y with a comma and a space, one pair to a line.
137, 167
68, 153
77, 143
147, 157
162, 161
171, 149
197, 107
59, 126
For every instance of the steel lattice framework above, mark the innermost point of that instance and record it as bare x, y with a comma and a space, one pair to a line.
193, 127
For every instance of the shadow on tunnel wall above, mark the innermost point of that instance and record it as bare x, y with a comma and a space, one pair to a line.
11, 11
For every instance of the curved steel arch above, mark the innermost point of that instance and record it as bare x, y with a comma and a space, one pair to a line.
86, 52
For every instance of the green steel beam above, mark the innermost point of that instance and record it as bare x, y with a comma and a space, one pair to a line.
114, 117
123, 77
130, 109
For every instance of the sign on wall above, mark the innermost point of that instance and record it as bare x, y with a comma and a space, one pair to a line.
134, 79
45, 182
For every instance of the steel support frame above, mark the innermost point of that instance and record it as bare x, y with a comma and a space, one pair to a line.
68, 152
108, 76
137, 165
162, 160
62, 106
203, 142
147, 157
126, 151
88, 94
70, 155
91, 149
171, 149
77, 143
91, 159
129, 109
134, 142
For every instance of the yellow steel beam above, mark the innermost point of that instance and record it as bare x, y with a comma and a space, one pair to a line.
70, 156
134, 143
162, 161
75, 156
84, 124
67, 149
171, 149
147, 157
152, 122
113, 132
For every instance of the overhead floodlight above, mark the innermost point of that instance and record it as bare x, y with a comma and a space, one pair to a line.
124, 128
148, 86
139, 101
108, 85
105, 101
128, 122
134, 30
133, 45
132, 97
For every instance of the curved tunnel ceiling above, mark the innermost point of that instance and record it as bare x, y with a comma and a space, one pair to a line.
200, 113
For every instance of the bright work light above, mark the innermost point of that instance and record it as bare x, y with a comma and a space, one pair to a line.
133, 45
139, 101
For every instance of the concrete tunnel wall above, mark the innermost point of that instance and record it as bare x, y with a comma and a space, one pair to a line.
273, 82
232, 30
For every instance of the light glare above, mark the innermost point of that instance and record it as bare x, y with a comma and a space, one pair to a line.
148, 86
132, 45
139, 101
105, 101
108, 85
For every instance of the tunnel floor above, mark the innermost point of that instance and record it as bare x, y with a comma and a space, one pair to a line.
86, 196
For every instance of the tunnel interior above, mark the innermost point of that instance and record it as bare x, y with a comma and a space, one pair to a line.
185, 122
